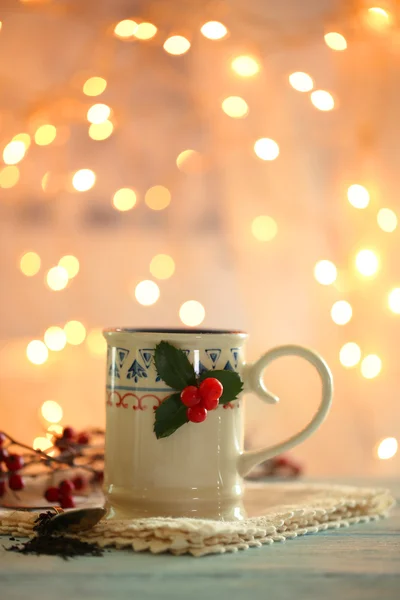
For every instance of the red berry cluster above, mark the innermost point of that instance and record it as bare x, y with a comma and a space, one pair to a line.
70, 436
199, 400
63, 493
13, 463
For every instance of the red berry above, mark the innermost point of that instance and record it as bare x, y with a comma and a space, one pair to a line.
83, 439
79, 483
69, 433
98, 477
2, 488
210, 391
3, 454
67, 502
196, 414
3, 438
296, 470
52, 494
14, 462
66, 487
15, 482
210, 403
190, 396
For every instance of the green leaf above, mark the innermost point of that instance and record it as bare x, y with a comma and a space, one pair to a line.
173, 366
170, 415
231, 383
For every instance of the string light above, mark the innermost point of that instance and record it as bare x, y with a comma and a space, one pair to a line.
101, 131
96, 343
367, 262
394, 301
387, 220
98, 113
45, 181
37, 352
266, 149
75, 332
235, 107
55, 338
371, 366
322, 100
245, 66
42, 444
335, 41
14, 152
147, 292
83, 180
51, 183
45, 134
57, 278
325, 272
51, 411
53, 430
25, 138
190, 161
125, 29
70, 264
157, 197
387, 448
162, 266
176, 45
358, 196
183, 156
145, 31
9, 176
124, 199
350, 354
264, 228
378, 18
214, 30
30, 263
341, 312
94, 86
192, 313
301, 82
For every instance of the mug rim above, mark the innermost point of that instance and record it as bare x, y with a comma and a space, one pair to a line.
175, 331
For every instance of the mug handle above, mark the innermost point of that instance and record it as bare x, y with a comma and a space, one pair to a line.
254, 383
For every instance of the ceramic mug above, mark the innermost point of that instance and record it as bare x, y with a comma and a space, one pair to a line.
198, 470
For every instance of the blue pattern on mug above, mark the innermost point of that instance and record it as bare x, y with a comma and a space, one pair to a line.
113, 371
136, 371
235, 354
213, 354
228, 367
122, 354
147, 356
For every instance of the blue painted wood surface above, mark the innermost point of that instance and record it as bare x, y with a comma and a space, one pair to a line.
359, 563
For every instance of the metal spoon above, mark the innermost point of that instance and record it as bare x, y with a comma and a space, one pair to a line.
74, 521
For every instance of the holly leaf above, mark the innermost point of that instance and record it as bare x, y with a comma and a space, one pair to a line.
231, 383
170, 415
173, 366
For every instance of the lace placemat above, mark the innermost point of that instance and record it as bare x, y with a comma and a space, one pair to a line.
279, 512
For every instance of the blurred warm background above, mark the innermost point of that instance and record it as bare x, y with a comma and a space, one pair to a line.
229, 164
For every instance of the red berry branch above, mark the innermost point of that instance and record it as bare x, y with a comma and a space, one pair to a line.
76, 459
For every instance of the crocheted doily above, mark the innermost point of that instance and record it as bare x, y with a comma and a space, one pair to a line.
278, 512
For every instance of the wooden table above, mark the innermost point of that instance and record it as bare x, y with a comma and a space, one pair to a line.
362, 562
